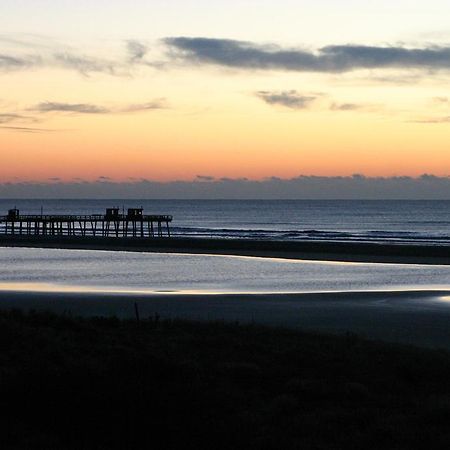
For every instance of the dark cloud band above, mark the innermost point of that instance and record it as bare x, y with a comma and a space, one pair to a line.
208, 187
233, 54
333, 59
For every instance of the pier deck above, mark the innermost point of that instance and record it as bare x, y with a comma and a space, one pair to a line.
111, 224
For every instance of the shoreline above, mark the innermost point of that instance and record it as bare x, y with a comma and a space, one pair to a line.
297, 250
409, 317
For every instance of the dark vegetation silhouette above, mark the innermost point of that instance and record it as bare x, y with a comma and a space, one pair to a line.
103, 383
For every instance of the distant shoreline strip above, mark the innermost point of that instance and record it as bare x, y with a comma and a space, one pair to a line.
297, 250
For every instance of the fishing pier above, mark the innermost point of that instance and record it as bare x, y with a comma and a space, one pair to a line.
111, 224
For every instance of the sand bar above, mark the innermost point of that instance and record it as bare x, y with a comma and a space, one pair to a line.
307, 250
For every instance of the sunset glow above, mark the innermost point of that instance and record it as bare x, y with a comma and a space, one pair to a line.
117, 94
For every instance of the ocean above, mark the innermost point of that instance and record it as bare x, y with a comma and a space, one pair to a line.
402, 221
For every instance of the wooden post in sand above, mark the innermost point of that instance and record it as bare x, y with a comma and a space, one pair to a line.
136, 310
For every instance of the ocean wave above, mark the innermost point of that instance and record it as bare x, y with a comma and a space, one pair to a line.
313, 234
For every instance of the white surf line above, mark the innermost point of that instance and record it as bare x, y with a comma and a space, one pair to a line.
26, 287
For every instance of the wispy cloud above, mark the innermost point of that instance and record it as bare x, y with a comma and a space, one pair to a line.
432, 120
441, 100
27, 129
136, 50
89, 108
8, 62
14, 117
345, 106
289, 99
103, 179
85, 65
204, 178
81, 108
69, 61
159, 103
330, 59
293, 99
29, 51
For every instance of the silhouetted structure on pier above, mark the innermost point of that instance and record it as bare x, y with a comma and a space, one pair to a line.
110, 224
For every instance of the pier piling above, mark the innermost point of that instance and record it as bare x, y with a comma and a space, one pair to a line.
111, 224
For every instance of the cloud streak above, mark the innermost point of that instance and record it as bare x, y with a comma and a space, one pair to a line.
26, 129
435, 120
345, 106
159, 103
292, 99
88, 108
8, 62
34, 52
441, 100
330, 59
82, 108
68, 61
85, 65
14, 117
289, 99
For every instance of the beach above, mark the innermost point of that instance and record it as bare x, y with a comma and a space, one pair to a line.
416, 317
266, 284
175, 384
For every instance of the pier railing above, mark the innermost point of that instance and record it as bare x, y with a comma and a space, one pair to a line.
119, 225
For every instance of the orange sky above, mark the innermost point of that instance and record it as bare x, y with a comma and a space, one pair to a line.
166, 145
92, 105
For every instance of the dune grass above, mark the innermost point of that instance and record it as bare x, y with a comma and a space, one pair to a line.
103, 383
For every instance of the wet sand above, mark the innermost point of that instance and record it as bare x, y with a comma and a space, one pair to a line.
413, 317
306, 250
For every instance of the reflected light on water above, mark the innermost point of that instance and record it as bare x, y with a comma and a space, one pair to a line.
60, 288
45, 270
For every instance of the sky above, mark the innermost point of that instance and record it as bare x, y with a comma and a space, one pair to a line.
204, 91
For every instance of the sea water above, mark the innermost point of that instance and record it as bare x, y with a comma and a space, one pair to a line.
338, 220
128, 272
